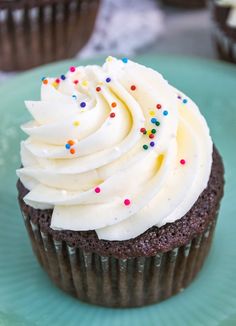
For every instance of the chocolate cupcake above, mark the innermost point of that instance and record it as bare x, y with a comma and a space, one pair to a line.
185, 3
37, 32
224, 31
120, 185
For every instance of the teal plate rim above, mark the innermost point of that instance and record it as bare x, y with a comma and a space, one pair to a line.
27, 297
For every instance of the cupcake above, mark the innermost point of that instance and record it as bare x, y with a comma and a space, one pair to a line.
42, 31
224, 32
120, 184
186, 3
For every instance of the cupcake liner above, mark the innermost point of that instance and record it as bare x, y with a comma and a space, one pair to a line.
224, 36
113, 282
185, 3
37, 32
225, 46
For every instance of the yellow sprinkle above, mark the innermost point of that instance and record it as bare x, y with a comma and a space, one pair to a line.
149, 132
76, 123
55, 84
100, 83
109, 59
84, 83
152, 113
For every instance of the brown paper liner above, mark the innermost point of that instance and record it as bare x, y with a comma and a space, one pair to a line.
224, 36
185, 3
37, 32
113, 282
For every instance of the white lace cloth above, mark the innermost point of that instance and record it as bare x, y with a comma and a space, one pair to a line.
122, 28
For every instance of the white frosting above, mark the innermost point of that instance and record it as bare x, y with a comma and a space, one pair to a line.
231, 19
109, 152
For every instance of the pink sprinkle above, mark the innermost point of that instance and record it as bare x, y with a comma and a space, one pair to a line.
97, 190
127, 202
182, 162
72, 69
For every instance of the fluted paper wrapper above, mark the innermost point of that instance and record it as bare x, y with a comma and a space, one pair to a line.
224, 36
113, 282
35, 32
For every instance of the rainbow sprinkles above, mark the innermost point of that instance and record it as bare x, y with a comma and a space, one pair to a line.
114, 139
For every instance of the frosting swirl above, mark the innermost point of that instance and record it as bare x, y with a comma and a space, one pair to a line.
114, 149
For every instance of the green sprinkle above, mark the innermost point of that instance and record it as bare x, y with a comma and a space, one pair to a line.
157, 123
145, 147
153, 131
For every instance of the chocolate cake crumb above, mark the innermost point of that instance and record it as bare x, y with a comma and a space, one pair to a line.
154, 240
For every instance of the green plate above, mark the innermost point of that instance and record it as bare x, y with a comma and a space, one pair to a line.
27, 297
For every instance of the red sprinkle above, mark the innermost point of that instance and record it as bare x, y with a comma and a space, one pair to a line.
158, 106
127, 202
98, 89
76, 81
57, 80
72, 69
151, 136
97, 190
143, 130
113, 104
112, 115
182, 161
133, 88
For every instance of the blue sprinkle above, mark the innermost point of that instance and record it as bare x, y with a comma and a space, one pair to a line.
153, 120
63, 77
165, 112
152, 144
43, 78
74, 97
108, 79
185, 101
67, 146
125, 60
83, 104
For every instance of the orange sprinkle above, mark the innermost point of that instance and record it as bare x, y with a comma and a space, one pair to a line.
45, 81
71, 142
113, 104
72, 151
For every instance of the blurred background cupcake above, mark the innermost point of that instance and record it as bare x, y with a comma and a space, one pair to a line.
224, 17
185, 3
34, 32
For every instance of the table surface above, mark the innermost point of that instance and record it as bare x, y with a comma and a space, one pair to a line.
187, 32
